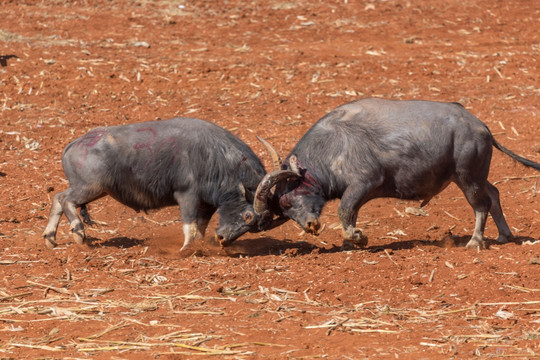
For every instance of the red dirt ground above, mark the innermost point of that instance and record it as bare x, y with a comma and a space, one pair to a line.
270, 68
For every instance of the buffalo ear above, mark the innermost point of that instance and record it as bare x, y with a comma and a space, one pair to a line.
246, 194
293, 163
242, 189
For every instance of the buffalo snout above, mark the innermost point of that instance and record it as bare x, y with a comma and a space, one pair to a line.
222, 241
312, 226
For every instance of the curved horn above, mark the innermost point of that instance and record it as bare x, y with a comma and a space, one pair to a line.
276, 160
260, 204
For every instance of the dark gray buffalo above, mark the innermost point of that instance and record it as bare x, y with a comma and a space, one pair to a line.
187, 162
376, 148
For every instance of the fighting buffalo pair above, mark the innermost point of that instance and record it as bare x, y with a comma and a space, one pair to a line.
366, 149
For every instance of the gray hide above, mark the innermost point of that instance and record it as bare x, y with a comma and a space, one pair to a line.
375, 148
187, 162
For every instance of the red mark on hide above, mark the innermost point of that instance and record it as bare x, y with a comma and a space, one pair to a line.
87, 142
148, 144
154, 147
91, 139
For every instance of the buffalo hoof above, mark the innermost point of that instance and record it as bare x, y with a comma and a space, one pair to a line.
476, 243
503, 239
355, 236
78, 236
49, 242
189, 251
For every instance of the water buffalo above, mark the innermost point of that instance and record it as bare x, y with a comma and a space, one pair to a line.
187, 162
375, 148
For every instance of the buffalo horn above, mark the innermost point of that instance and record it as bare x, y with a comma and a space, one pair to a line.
262, 195
276, 160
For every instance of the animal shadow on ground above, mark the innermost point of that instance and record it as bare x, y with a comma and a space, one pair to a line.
270, 246
120, 242
447, 241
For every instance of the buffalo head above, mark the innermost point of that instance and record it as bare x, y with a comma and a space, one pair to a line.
291, 193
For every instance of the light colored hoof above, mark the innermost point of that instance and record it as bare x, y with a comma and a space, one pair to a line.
49, 242
186, 246
355, 237
78, 236
476, 244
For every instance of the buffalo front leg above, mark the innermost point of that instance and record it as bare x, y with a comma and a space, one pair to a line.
350, 231
190, 233
351, 201
193, 226
85, 215
204, 214
196, 229
67, 202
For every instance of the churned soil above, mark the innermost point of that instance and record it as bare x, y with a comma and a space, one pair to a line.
267, 68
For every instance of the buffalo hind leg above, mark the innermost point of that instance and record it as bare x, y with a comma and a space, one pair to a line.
479, 199
86, 216
496, 212
54, 219
67, 202
70, 202
477, 240
76, 225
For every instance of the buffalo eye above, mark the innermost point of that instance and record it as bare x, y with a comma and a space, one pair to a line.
248, 217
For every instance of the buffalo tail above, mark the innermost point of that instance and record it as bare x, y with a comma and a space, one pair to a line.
516, 157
